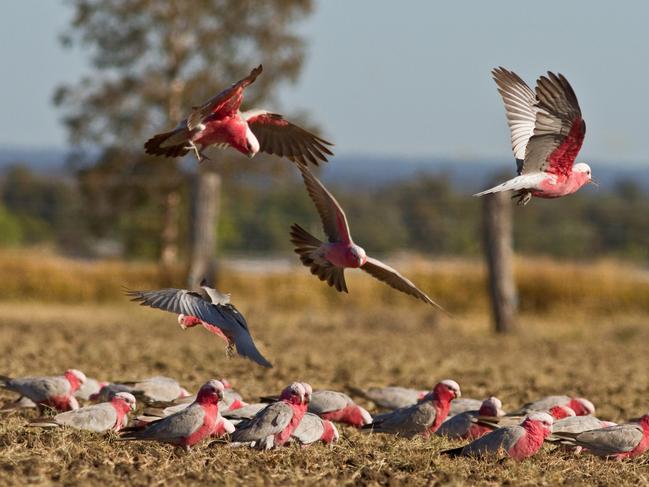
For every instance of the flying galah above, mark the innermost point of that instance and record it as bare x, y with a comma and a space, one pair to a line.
464, 426
423, 418
215, 312
52, 392
274, 424
328, 260
338, 407
616, 442
189, 426
149, 390
101, 417
579, 405
313, 428
220, 123
547, 132
517, 442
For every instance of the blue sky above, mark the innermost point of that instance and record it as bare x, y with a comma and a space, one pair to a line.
406, 78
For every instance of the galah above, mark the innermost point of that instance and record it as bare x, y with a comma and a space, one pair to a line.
492, 422
274, 425
112, 415
149, 390
214, 311
579, 405
313, 428
516, 442
338, 407
615, 442
48, 392
547, 132
464, 425
328, 260
422, 418
187, 427
220, 123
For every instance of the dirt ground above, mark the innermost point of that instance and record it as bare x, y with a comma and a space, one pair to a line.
602, 358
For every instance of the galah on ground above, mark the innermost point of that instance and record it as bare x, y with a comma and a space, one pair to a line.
464, 426
189, 426
328, 260
220, 123
338, 407
112, 415
313, 428
48, 392
422, 418
579, 405
149, 390
215, 312
547, 132
274, 425
577, 424
615, 442
517, 442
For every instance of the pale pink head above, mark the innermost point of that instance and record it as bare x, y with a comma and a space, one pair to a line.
581, 171
294, 394
582, 406
539, 420
125, 398
357, 255
446, 391
491, 407
210, 393
308, 392
76, 378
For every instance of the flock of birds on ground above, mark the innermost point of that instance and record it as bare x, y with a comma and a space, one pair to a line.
547, 132
304, 416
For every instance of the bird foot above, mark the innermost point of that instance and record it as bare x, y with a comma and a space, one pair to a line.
199, 154
524, 197
230, 350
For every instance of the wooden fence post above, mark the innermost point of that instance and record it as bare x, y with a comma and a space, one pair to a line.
498, 244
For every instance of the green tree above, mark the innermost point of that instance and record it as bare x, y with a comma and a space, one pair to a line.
152, 61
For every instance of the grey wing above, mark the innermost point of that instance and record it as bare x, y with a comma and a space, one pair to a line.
519, 100
407, 421
97, 418
269, 421
608, 441
543, 404
172, 428
158, 388
492, 443
576, 424
309, 430
334, 221
557, 111
457, 426
326, 401
235, 323
88, 388
246, 412
462, 405
393, 397
279, 137
39, 389
394, 279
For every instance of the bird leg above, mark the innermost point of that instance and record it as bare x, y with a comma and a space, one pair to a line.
230, 350
524, 197
199, 154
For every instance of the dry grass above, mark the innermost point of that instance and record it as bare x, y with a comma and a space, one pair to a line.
545, 286
332, 343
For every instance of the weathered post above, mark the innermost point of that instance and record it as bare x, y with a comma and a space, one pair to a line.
499, 252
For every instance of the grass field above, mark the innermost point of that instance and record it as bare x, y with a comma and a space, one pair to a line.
334, 343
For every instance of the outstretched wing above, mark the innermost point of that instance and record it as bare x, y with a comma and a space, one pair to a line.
519, 100
226, 317
394, 279
279, 137
225, 102
334, 221
559, 129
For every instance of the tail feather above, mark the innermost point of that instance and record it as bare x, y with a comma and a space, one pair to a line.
524, 181
305, 245
154, 145
43, 423
453, 452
